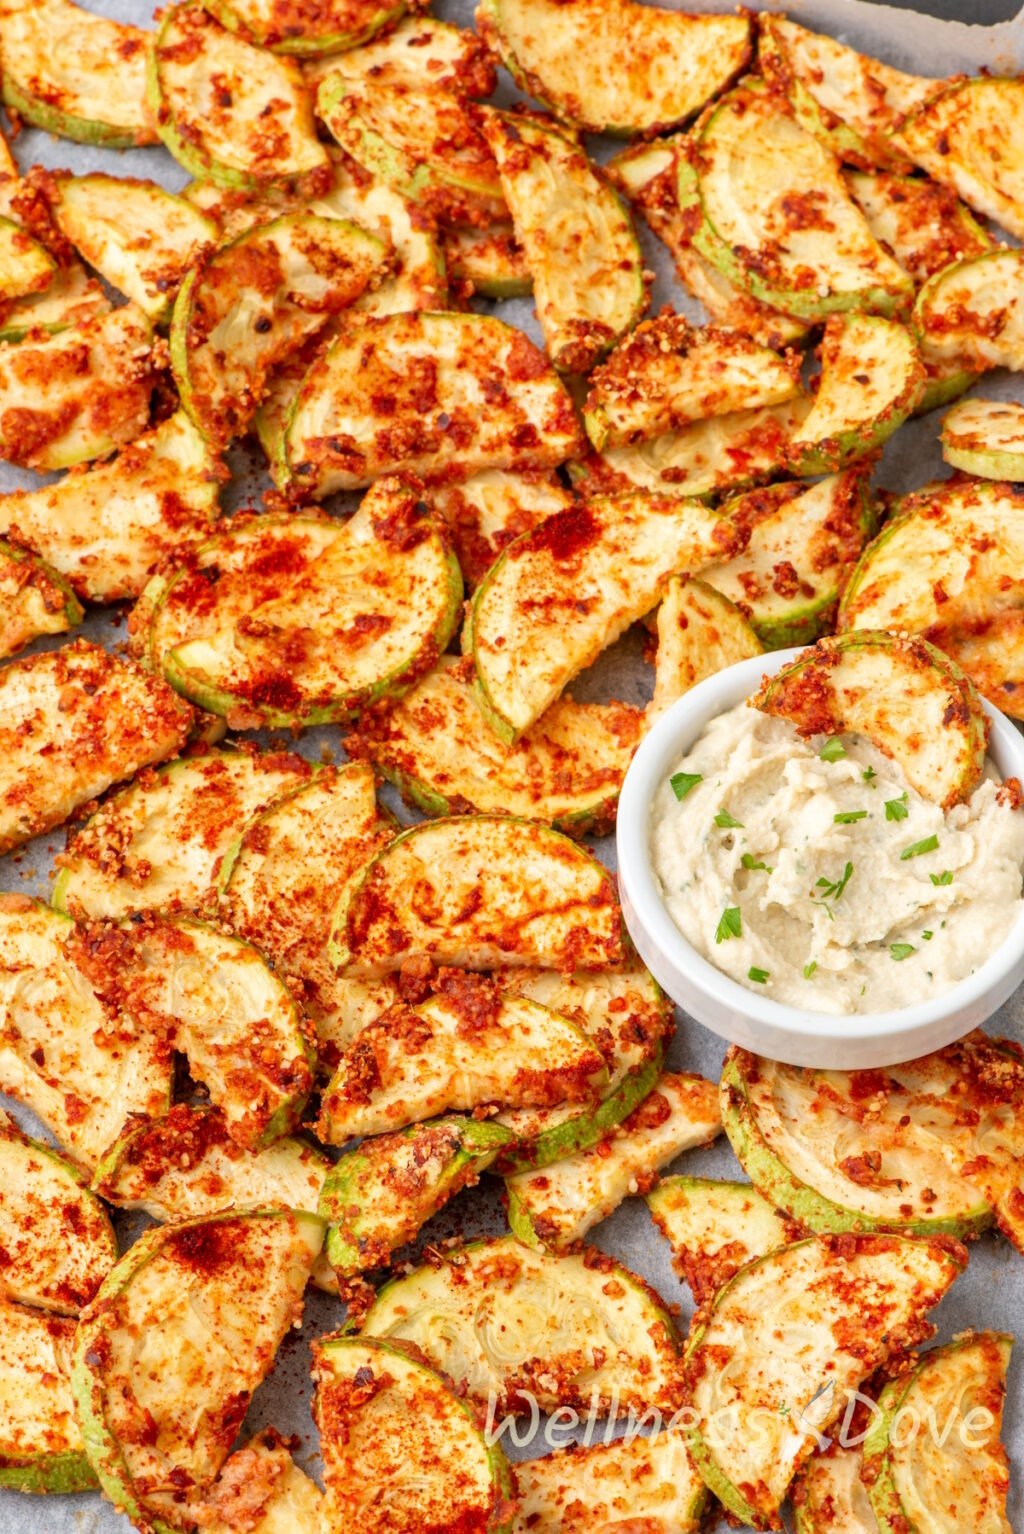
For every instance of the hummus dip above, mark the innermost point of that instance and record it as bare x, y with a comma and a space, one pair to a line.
809, 871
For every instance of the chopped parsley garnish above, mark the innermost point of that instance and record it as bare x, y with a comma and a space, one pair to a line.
833, 888
758, 975
869, 775
900, 951
727, 823
847, 817
833, 750
928, 844
896, 809
945, 877
730, 924
810, 968
682, 782
749, 861
927, 936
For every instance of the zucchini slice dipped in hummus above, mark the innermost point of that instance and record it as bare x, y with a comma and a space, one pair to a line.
649, 1482
34, 600
855, 1302
41, 1447
262, 1487
403, 1451
699, 632
716, 1228
580, 1330
985, 437
933, 1459
968, 136
480, 892
193, 1314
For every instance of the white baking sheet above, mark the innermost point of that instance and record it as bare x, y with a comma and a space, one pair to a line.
991, 1293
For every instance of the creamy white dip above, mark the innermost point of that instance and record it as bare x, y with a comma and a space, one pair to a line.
841, 890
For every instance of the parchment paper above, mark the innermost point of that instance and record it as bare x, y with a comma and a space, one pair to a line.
991, 1293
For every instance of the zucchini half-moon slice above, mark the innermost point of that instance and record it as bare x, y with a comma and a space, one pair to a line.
262, 1486
290, 26
421, 50
933, 1460
699, 632
488, 261
971, 314
41, 1447
924, 224
505, 1321
776, 217
985, 437
70, 297
909, 699
183, 1330
34, 600
853, 1301
716, 1228
26, 266
829, 1496
403, 1452
488, 510
644, 1482
969, 136
479, 892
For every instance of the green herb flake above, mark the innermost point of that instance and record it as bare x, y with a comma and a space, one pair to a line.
899, 951
927, 936
833, 750
730, 924
749, 861
945, 877
896, 809
758, 975
869, 775
810, 968
928, 844
833, 888
847, 817
727, 823
683, 782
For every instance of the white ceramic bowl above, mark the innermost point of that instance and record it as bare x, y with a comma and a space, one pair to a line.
793, 1035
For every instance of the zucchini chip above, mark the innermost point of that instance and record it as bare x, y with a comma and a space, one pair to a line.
909, 699
803, 542
699, 632
629, 1018
76, 720
160, 843
74, 73
139, 237
438, 750
985, 437
924, 225
971, 314
304, 27
854, 1301
667, 375
80, 1067
564, 592
403, 1452
106, 529
578, 237
262, 1490
56, 1242
438, 395
488, 510
468, 1046
507, 1321
481, 892
871, 379
362, 621
182, 1332
78, 394
775, 214
380, 1195
716, 1228
968, 137
34, 600
848, 100
829, 1496
26, 267
70, 298
649, 1483
248, 306
489, 261
956, 1481
615, 67
41, 1448
420, 51
227, 109
556, 1206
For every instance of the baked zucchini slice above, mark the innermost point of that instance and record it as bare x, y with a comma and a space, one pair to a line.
121, 719
959, 1480
848, 100
302, 29
968, 137
803, 542
26, 267
649, 1483
403, 1452
420, 50
41, 1448
56, 1242
557, 1205
488, 510
362, 621
578, 237
668, 374
909, 699
182, 1332
924, 224
465, 1048
618, 68
699, 632
775, 216
887, 1148
488, 261
854, 1302
438, 750
380, 1195
69, 298
246, 307
716, 1228
971, 314
262, 1489
74, 73
64, 1053
985, 437
828, 1495
564, 592
437, 395
504, 1320
34, 600
160, 843
480, 892
872, 378
227, 109
78, 394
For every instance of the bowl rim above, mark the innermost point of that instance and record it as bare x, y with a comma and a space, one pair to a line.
669, 738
